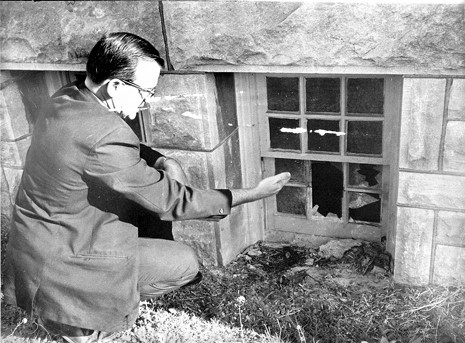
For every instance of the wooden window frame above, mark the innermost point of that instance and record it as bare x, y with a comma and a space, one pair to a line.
323, 226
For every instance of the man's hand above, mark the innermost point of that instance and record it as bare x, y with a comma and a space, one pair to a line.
265, 188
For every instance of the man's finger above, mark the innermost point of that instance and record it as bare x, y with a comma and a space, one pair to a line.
283, 178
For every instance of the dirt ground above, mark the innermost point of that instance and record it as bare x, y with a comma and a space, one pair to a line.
276, 292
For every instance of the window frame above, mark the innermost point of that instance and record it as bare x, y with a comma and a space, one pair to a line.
391, 121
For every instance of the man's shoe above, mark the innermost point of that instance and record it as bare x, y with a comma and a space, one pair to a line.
72, 334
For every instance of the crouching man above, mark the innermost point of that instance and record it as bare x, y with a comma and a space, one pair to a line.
74, 257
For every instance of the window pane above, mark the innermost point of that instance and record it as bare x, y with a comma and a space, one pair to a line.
322, 140
364, 207
327, 186
283, 93
364, 137
295, 167
284, 140
323, 95
291, 200
365, 175
365, 96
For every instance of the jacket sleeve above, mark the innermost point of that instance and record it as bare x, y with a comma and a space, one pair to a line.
149, 155
115, 162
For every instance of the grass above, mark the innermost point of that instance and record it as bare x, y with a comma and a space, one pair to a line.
279, 294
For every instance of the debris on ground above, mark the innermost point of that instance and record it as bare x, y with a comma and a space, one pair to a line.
299, 294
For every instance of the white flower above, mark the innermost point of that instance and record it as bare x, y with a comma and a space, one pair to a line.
240, 300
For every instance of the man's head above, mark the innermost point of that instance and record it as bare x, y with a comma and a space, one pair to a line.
126, 69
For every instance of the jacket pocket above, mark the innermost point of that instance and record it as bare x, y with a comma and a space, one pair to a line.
100, 262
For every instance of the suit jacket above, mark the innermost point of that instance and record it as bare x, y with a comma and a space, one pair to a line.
72, 251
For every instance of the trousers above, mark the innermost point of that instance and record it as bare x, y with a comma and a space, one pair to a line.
164, 266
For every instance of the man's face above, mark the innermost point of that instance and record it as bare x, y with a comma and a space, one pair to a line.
129, 97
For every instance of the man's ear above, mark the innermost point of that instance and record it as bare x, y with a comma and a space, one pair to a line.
113, 87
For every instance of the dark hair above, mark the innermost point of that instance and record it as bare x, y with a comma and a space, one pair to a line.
115, 56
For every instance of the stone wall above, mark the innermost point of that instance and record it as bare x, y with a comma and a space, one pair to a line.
430, 237
194, 120
245, 35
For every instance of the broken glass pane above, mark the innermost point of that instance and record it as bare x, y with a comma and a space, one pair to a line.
365, 175
365, 96
327, 188
295, 167
364, 207
292, 200
323, 95
319, 139
283, 93
279, 139
365, 137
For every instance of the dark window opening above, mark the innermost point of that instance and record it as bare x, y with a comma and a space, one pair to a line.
318, 137
364, 207
292, 200
323, 95
365, 96
327, 188
295, 167
365, 137
280, 139
283, 94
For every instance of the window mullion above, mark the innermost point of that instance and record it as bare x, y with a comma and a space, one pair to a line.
343, 128
303, 121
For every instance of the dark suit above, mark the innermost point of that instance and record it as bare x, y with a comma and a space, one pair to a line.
72, 254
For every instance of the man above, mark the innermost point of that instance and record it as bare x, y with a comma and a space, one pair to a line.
74, 257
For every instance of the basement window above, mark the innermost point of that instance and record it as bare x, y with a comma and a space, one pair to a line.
329, 133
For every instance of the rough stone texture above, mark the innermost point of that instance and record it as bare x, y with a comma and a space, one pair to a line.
65, 31
423, 37
10, 181
14, 119
216, 243
13, 154
194, 163
414, 238
431, 190
454, 146
449, 266
456, 107
451, 228
421, 123
201, 236
315, 34
186, 113
233, 231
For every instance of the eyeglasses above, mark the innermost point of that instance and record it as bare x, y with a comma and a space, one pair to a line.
141, 89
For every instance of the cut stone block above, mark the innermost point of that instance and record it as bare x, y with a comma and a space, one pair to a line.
13, 115
449, 266
66, 31
187, 112
201, 236
451, 228
454, 147
216, 243
456, 107
431, 190
414, 238
421, 128
13, 154
10, 181
261, 33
